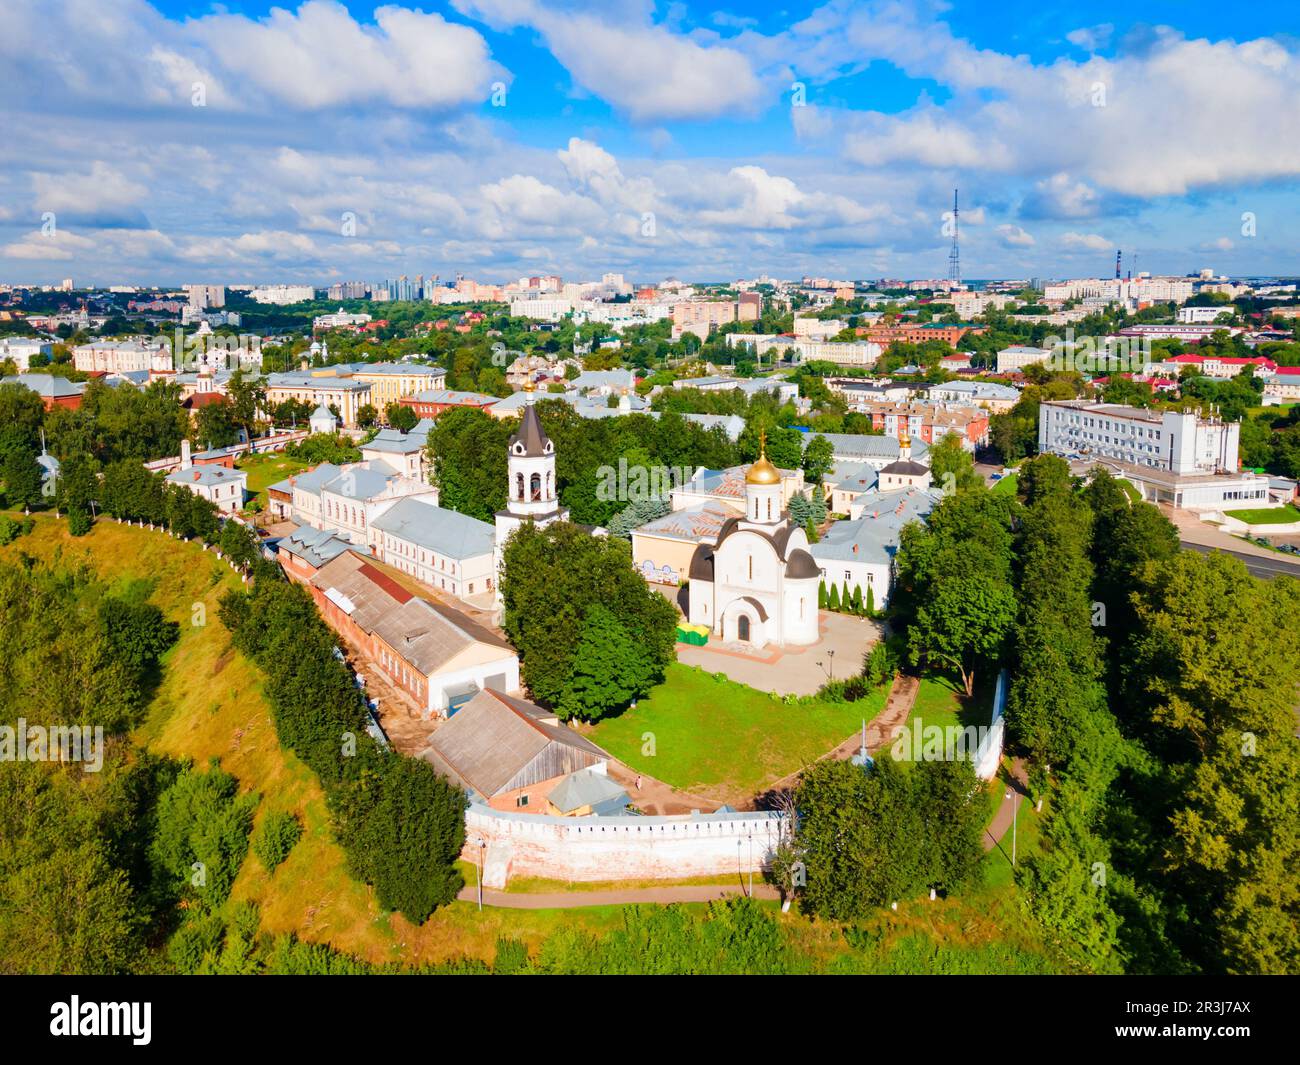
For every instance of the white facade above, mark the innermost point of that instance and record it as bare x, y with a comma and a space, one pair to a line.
23, 349
1202, 315
1180, 442
543, 310
222, 486
758, 584
1018, 357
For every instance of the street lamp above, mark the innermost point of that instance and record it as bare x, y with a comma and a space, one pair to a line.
830, 653
750, 837
482, 846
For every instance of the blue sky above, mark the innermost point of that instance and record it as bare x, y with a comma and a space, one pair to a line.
171, 142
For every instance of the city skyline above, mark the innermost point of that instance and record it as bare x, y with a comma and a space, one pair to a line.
324, 142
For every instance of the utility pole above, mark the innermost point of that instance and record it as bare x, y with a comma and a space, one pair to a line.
1015, 810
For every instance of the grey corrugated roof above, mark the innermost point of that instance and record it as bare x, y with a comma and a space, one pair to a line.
585, 788
396, 442
360, 481
495, 743
298, 379
848, 446
48, 385
875, 534
208, 475
448, 532
313, 480
314, 546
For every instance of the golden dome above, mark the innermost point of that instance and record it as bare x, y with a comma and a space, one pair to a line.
762, 471
530, 385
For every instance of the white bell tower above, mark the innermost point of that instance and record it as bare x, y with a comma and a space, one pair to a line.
531, 492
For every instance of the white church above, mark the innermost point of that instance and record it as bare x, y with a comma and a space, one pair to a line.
757, 583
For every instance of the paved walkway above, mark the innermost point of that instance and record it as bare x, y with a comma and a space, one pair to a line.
881, 729
839, 651
1015, 795
572, 900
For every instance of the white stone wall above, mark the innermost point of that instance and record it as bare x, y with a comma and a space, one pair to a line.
618, 848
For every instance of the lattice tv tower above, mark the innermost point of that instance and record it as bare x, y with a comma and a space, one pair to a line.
954, 256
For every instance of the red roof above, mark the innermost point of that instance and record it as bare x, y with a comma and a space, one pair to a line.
385, 582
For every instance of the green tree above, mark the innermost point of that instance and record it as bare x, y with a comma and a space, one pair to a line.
400, 416
818, 458
22, 479
550, 579
608, 669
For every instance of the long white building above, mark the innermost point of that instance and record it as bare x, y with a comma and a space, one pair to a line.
1175, 457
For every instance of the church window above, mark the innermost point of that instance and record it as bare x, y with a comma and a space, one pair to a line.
535, 487
519, 486
769, 509
751, 567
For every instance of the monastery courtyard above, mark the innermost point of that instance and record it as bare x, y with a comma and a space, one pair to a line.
844, 642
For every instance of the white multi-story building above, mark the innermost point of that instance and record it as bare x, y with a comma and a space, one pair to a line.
338, 320
281, 295
23, 349
818, 328
124, 356
1178, 441
1017, 357
968, 304
843, 353
446, 550
1175, 457
542, 310
1202, 315
201, 297
1141, 289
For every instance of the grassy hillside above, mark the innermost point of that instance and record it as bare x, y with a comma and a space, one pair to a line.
210, 704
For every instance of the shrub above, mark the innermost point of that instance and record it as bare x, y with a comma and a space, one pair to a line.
279, 833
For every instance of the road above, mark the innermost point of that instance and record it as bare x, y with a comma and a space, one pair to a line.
1259, 565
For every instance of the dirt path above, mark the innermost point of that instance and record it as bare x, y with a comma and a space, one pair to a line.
656, 798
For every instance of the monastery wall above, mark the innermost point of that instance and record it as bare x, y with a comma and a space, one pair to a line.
617, 848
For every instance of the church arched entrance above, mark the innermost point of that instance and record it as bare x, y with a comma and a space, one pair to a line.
744, 620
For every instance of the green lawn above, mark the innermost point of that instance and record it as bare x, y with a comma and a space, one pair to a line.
724, 740
1272, 516
1007, 483
265, 470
